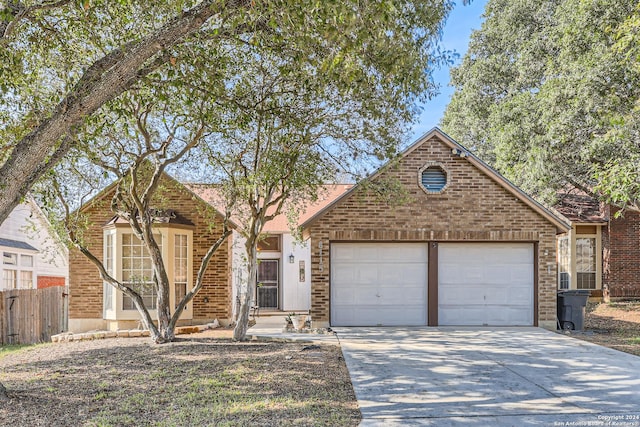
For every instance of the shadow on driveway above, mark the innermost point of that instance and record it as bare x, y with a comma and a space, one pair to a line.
488, 376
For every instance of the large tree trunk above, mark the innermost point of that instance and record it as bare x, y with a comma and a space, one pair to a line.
107, 78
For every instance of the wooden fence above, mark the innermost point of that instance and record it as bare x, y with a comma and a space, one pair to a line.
29, 316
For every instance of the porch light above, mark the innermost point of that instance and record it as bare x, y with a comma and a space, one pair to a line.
292, 259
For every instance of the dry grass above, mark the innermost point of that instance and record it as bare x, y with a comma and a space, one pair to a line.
193, 381
615, 325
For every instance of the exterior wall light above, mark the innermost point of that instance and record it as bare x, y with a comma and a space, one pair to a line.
292, 259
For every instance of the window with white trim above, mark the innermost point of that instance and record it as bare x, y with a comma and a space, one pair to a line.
108, 265
17, 270
180, 266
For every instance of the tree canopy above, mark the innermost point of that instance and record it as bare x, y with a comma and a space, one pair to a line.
548, 93
62, 61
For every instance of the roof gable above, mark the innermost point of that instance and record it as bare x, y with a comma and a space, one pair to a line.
462, 152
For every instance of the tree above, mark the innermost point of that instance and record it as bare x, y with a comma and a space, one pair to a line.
290, 126
62, 60
540, 95
146, 131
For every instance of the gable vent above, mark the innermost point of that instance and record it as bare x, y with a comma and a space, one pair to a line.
434, 179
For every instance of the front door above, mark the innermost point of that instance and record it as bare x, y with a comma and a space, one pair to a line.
268, 283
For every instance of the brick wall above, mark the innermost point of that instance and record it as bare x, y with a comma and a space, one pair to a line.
49, 281
622, 272
472, 208
213, 301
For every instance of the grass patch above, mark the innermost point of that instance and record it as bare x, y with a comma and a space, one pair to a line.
205, 383
6, 350
634, 340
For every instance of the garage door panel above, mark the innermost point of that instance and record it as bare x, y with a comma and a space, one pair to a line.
403, 274
461, 315
485, 284
460, 295
378, 284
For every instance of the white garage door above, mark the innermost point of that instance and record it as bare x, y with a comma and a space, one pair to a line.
378, 284
485, 284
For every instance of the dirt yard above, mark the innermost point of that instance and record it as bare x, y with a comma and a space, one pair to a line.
195, 381
615, 325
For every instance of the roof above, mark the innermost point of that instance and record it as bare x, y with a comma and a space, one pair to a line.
16, 244
578, 206
211, 194
561, 224
166, 216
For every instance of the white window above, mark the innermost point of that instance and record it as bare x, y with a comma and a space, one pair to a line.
26, 261
126, 259
180, 267
108, 265
19, 274
586, 262
9, 258
564, 275
26, 279
137, 271
10, 279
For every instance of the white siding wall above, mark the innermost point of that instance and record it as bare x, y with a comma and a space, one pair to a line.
296, 294
26, 224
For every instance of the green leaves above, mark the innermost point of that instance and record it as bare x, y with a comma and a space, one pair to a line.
546, 90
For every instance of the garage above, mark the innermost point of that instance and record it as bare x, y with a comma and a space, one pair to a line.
486, 284
378, 284
434, 237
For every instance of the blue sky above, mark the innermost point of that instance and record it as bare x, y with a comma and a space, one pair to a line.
461, 21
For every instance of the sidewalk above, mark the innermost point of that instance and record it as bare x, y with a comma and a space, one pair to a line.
272, 326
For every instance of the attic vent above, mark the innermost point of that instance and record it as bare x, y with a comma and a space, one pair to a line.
433, 179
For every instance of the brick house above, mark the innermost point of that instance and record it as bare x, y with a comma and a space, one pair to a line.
191, 227
601, 251
464, 247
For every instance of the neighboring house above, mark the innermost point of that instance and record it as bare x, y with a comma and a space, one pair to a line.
601, 251
467, 247
32, 255
283, 271
190, 225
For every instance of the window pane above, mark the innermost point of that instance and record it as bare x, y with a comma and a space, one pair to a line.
137, 272
26, 260
26, 279
586, 280
180, 292
586, 255
564, 278
269, 243
10, 258
180, 258
10, 279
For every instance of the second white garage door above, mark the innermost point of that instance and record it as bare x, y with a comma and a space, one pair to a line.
378, 284
485, 284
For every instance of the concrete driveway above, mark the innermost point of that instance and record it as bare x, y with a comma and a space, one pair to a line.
488, 376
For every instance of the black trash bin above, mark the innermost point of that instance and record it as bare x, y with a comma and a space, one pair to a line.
571, 306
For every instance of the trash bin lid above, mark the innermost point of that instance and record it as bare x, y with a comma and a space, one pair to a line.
575, 292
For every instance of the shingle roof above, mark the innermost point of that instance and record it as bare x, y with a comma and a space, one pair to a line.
578, 206
16, 244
